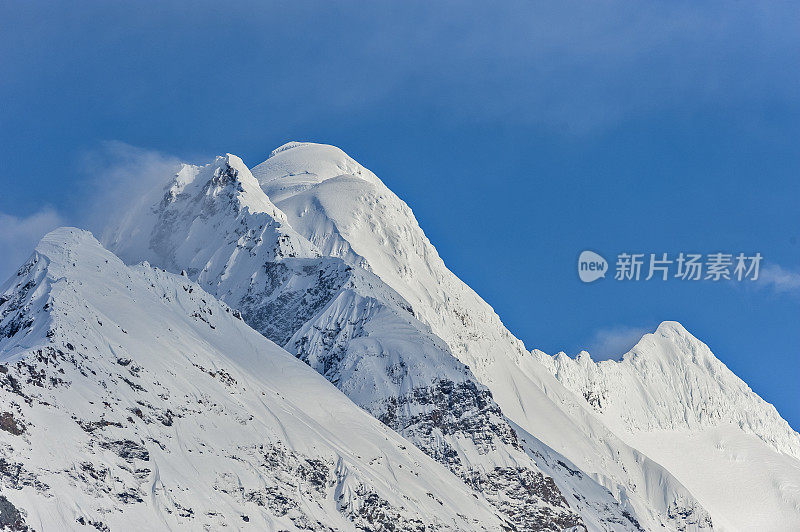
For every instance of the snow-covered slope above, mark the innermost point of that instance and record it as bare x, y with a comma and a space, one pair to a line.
132, 398
743, 483
673, 399
352, 328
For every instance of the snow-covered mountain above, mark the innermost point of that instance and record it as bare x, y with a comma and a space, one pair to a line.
671, 380
673, 399
351, 327
431, 414
134, 399
345, 318
346, 211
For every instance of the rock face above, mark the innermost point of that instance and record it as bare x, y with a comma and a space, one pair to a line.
130, 395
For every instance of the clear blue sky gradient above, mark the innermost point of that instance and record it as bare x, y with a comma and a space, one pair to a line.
520, 135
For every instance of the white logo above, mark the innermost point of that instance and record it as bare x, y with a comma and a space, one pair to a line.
591, 266
633, 266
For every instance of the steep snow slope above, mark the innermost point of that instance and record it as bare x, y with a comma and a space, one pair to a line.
348, 325
210, 220
345, 211
673, 399
133, 398
725, 467
393, 366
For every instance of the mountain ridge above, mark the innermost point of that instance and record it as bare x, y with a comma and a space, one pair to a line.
315, 253
351, 337
705, 401
383, 234
344, 194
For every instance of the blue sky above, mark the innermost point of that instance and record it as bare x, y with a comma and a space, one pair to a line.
520, 135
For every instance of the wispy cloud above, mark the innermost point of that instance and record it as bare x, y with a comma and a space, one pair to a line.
613, 342
780, 279
19, 235
118, 175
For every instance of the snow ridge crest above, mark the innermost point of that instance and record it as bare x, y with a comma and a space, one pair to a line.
670, 380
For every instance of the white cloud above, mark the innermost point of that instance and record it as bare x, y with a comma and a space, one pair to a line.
118, 174
780, 279
18, 237
613, 342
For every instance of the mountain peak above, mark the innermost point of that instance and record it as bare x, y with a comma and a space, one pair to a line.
298, 166
670, 380
57, 241
228, 172
143, 377
288, 146
671, 341
187, 223
66, 248
234, 165
334, 317
674, 328
669, 325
